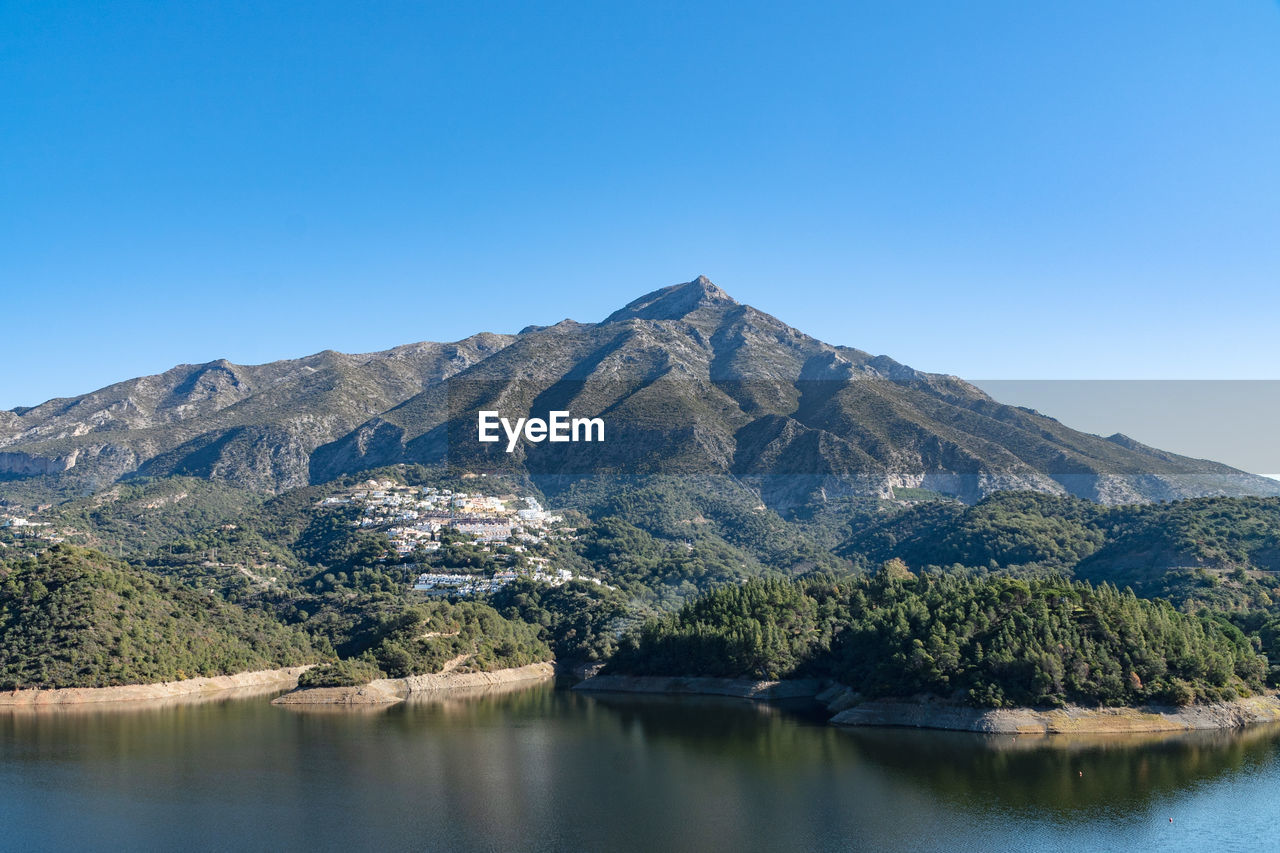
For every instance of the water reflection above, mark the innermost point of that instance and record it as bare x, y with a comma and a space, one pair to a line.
1073, 776
532, 767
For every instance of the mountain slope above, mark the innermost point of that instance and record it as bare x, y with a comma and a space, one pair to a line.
252, 425
686, 380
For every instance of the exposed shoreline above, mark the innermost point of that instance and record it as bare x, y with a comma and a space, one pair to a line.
387, 691
266, 679
1072, 719
848, 709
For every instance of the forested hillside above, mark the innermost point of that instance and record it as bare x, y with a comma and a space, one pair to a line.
1222, 553
75, 618
433, 637
1020, 598
991, 642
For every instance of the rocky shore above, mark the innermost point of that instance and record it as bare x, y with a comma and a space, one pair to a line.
266, 680
386, 691
1071, 719
846, 706
849, 709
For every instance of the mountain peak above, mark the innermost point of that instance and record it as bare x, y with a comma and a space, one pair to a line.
675, 302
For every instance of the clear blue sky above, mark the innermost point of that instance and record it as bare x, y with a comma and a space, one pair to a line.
994, 189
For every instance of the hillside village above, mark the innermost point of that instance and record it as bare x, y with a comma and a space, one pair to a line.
14, 528
417, 521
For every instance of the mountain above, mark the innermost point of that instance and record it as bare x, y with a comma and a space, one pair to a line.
690, 381
253, 426
687, 381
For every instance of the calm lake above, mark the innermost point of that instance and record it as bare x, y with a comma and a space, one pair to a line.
547, 769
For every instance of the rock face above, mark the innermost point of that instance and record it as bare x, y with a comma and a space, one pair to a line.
686, 379
26, 465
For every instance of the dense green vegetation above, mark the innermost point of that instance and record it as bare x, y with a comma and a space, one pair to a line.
437, 636
465, 635
716, 515
759, 629
661, 571
580, 621
75, 618
981, 603
351, 672
145, 514
989, 641
1002, 531
1216, 553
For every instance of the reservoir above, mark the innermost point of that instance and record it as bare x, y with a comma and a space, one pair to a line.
541, 768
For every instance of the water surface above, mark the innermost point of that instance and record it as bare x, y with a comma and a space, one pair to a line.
546, 769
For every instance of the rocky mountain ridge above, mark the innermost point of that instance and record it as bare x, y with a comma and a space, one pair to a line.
687, 379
